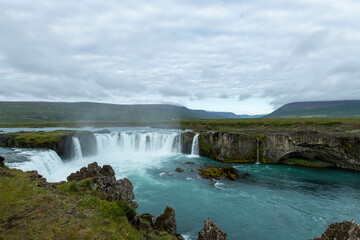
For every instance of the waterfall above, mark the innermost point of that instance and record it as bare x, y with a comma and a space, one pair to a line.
257, 151
76, 151
139, 142
44, 161
195, 145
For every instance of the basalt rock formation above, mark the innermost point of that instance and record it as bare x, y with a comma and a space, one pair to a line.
304, 148
341, 231
103, 179
187, 138
59, 141
211, 231
228, 147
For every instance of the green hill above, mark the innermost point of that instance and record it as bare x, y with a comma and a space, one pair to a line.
321, 109
29, 112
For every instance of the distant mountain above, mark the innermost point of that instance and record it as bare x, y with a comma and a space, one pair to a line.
22, 112
320, 109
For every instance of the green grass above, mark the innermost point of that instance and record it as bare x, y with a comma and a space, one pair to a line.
41, 138
69, 211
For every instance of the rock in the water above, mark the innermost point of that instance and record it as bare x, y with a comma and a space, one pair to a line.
219, 173
103, 179
341, 231
179, 169
189, 163
211, 232
166, 221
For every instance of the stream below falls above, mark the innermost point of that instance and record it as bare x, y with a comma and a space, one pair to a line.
275, 202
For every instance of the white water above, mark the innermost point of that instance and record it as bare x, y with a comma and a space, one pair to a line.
128, 142
127, 151
46, 162
195, 146
77, 154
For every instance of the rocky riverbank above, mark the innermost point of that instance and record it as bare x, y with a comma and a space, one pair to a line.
59, 141
92, 204
303, 148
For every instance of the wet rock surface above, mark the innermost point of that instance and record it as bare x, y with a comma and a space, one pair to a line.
211, 232
103, 179
179, 170
347, 230
219, 173
187, 138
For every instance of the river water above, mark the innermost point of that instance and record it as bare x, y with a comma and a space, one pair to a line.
275, 202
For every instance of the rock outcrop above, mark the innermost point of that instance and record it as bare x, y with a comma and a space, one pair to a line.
2, 160
308, 148
211, 232
341, 231
88, 143
59, 141
228, 147
332, 151
166, 221
219, 173
187, 139
103, 179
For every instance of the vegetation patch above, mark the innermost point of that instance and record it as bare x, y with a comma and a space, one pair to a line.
41, 138
219, 173
307, 163
31, 208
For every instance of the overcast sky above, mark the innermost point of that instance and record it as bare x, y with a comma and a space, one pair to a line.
248, 57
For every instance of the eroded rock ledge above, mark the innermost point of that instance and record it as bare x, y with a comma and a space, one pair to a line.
347, 230
103, 179
304, 148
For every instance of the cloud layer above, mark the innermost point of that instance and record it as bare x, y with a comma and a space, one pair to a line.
180, 52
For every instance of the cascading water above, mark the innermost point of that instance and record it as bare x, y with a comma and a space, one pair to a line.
195, 145
140, 142
45, 162
76, 151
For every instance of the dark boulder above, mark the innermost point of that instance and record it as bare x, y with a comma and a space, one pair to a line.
2, 160
211, 232
148, 217
219, 173
179, 170
341, 231
103, 179
166, 221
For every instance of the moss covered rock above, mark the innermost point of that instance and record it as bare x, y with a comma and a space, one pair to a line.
219, 173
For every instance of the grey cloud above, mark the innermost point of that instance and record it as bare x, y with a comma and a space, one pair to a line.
179, 51
170, 91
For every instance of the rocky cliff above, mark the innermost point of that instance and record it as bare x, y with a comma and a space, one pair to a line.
59, 141
308, 148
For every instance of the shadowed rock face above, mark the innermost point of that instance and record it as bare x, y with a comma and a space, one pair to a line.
228, 147
341, 231
103, 179
334, 151
88, 143
310, 147
211, 231
187, 138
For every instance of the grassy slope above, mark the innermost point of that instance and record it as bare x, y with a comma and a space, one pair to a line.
326, 109
69, 211
256, 125
260, 125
